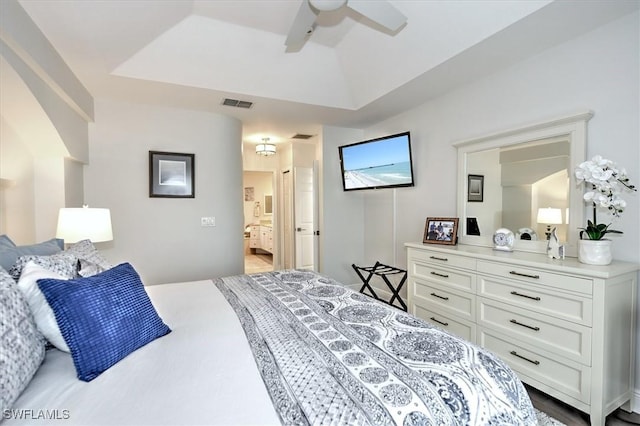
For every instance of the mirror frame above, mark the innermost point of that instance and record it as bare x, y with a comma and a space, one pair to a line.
574, 128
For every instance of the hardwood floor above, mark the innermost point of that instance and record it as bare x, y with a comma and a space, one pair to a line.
573, 417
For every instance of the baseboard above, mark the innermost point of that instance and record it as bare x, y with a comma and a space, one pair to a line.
635, 403
354, 287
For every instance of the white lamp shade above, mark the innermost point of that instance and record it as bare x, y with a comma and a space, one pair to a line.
77, 224
265, 149
550, 216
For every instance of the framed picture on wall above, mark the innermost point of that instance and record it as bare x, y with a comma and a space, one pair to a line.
171, 175
475, 188
249, 193
441, 230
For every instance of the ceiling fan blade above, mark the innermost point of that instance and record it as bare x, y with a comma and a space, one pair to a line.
380, 12
302, 25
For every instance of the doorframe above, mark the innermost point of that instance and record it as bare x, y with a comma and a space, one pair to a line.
288, 173
275, 217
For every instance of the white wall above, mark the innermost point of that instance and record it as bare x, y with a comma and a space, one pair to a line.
162, 237
342, 225
44, 113
17, 202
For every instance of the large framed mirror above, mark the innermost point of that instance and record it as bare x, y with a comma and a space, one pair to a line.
525, 176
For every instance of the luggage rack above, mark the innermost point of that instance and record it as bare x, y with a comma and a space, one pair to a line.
382, 271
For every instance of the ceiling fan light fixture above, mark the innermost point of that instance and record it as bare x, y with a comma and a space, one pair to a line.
327, 5
265, 148
381, 12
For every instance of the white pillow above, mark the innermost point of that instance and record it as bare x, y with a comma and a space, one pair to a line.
42, 313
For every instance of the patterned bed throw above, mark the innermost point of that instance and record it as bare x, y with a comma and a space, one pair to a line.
331, 356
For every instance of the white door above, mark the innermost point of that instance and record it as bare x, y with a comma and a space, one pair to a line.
304, 204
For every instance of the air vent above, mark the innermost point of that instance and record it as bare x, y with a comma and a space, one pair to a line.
237, 103
301, 136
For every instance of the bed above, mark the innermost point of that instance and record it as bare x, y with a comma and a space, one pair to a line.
284, 347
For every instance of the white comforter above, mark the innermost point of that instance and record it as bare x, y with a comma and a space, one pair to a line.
201, 373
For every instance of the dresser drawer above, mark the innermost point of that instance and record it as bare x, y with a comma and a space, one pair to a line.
449, 277
565, 376
539, 298
448, 322
457, 302
531, 275
563, 338
443, 259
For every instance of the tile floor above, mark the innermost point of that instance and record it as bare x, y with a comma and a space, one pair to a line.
573, 417
257, 263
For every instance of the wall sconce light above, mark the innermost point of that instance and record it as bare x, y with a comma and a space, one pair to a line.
77, 224
549, 216
265, 148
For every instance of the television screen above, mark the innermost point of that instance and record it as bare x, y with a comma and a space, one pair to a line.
377, 163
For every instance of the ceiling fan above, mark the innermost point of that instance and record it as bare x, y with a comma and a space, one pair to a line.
379, 11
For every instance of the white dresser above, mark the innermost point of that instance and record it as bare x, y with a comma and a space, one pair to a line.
566, 328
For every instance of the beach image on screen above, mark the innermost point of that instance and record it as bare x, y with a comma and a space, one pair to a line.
374, 164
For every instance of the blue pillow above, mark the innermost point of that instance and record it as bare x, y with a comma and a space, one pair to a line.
9, 255
103, 318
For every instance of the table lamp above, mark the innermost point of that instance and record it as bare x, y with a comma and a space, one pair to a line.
549, 216
77, 224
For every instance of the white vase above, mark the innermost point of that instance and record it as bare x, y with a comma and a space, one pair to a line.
594, 252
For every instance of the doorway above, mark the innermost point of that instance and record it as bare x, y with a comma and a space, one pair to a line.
260, 234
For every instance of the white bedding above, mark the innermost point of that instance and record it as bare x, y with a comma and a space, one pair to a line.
206, 344
290, 347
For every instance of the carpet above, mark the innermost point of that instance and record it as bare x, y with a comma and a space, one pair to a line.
546, 420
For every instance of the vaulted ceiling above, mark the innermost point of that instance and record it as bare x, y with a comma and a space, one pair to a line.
350, 72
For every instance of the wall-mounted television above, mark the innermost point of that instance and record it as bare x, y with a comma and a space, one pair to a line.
377, 163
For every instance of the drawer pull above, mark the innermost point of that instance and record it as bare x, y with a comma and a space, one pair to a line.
524, 325
439, 275
439, 297
446, 324
444, 259
514, 353
536, 277
515, 293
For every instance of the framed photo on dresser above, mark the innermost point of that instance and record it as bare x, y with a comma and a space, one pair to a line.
441, 230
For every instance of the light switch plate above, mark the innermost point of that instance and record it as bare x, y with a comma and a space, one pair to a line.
208, 221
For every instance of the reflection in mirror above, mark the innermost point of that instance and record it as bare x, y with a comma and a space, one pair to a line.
525, 171
268, 204
521, 179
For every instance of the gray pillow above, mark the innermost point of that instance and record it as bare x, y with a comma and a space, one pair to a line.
63, 263
9, 255
5, 241
22, 346
91, 261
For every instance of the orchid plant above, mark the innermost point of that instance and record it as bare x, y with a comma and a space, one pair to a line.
607, 183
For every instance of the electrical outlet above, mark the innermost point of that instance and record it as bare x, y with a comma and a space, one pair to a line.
208, 221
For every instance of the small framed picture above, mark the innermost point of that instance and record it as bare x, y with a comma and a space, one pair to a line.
441, 230
475, 188
171, 175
